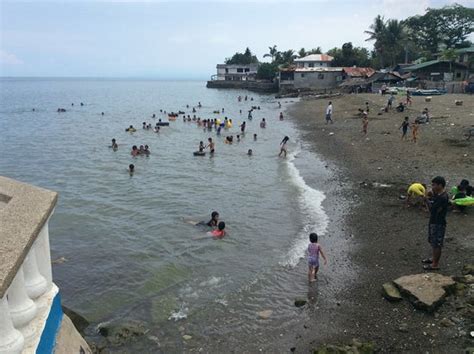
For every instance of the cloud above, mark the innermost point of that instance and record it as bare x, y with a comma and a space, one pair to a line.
9, 58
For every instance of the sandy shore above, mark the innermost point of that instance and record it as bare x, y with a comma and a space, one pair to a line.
387, 240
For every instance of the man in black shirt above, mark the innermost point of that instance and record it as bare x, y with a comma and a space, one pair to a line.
437, 226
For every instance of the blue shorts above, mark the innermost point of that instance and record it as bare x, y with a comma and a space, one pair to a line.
436, 235
313, 261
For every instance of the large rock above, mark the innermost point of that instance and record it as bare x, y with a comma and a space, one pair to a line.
390, 292
119, 333
425, 291
79, 322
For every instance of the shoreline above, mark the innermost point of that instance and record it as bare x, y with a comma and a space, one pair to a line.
387, 240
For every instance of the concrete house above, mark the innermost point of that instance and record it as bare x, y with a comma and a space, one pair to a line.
313, 72
235, 72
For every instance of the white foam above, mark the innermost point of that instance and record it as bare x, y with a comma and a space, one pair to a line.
212, 281
181, 314
316, 220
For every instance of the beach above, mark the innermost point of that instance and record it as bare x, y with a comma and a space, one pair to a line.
384, 238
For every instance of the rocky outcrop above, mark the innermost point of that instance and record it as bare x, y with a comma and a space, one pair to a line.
425, 291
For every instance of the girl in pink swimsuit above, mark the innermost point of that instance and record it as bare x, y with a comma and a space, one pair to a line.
314, 250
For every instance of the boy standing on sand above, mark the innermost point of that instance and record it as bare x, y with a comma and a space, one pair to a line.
404, 128
329, 113
438, 206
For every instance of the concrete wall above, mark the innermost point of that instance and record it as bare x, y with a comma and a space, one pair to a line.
317, 80
312, 64
260, 86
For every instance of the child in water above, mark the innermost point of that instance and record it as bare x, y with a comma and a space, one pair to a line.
219, 232
314, 250
131, 169
283, 146
201, 146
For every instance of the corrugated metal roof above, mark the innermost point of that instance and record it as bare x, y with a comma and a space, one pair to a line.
318, 69
465, 50
433, 62
315, 57
359, 72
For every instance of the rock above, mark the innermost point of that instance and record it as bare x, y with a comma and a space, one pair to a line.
79, 322
460, 289
119, 333
465, 279
390, 292
300, 302
265, 314
468, 269
403, 328
426, 291
446, 322
60, 260
187, 337
356, 348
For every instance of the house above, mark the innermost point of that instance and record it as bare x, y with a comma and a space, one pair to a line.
235, 72
439, 70
321, 78
466, 57
371, 83
356, 72
314, 61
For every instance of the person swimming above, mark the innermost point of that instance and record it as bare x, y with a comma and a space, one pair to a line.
135, 151
219, 232
114, 144
263, 123
147, 150
250, 152
255, 137
201, 146
130, 129
131, 169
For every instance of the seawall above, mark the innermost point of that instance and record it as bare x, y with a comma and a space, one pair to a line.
259, 86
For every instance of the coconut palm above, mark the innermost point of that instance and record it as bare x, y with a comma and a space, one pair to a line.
377, 32
302, 53
272, 53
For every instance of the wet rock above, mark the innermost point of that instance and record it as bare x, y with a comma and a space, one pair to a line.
468, 269
426, 291
300, 302
79, 322
460, 289
465, 279
355, 348
403, 328
390, 292
446, 322
119, 333
265, 314
187, 337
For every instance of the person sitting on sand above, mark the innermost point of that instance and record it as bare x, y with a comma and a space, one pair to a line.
283, 148
460, 194
400, 108
114, 144
263, 123
135, 151
314, 250
131, 169
404, 127
416, 194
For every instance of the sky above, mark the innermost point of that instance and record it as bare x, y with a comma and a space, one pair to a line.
176, 39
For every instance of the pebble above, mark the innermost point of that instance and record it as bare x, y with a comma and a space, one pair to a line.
187, 337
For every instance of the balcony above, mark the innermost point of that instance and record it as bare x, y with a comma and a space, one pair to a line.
31, 317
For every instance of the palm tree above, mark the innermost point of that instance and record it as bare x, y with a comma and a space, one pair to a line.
273, 51
287, 57
302, 53
395, 40
316, 50
377, 32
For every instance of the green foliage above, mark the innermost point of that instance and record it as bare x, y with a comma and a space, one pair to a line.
272, 52
349, 55
447, 27
242, 59
267, 71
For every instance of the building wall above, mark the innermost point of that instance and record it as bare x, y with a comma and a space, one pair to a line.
236, 72
312, 64
317, 80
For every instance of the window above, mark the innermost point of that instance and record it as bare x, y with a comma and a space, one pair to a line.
458, 75
226, 70
321, 76
302, 75
240, 70
247, 70
311, 65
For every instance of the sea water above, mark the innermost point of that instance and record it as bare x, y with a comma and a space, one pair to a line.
130, 252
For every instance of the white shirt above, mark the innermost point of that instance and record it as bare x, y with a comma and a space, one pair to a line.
329, 109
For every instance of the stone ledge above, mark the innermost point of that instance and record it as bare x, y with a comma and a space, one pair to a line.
25, 209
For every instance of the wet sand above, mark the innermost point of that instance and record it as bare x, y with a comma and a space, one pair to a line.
386, 239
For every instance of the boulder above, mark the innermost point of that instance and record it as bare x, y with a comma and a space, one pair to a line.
426, 291
119, 333
390, 292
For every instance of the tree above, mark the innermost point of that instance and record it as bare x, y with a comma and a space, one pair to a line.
285, 58
272, 52
242, 59
376, 33
395, 42
447, 27
316, 50
348, 55
449, 55
267, 71
302, 53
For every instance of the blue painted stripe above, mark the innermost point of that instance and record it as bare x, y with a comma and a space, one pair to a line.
51, 328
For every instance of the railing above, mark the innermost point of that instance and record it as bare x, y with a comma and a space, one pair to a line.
28, 296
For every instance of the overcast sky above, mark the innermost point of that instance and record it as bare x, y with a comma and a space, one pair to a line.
178, 39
